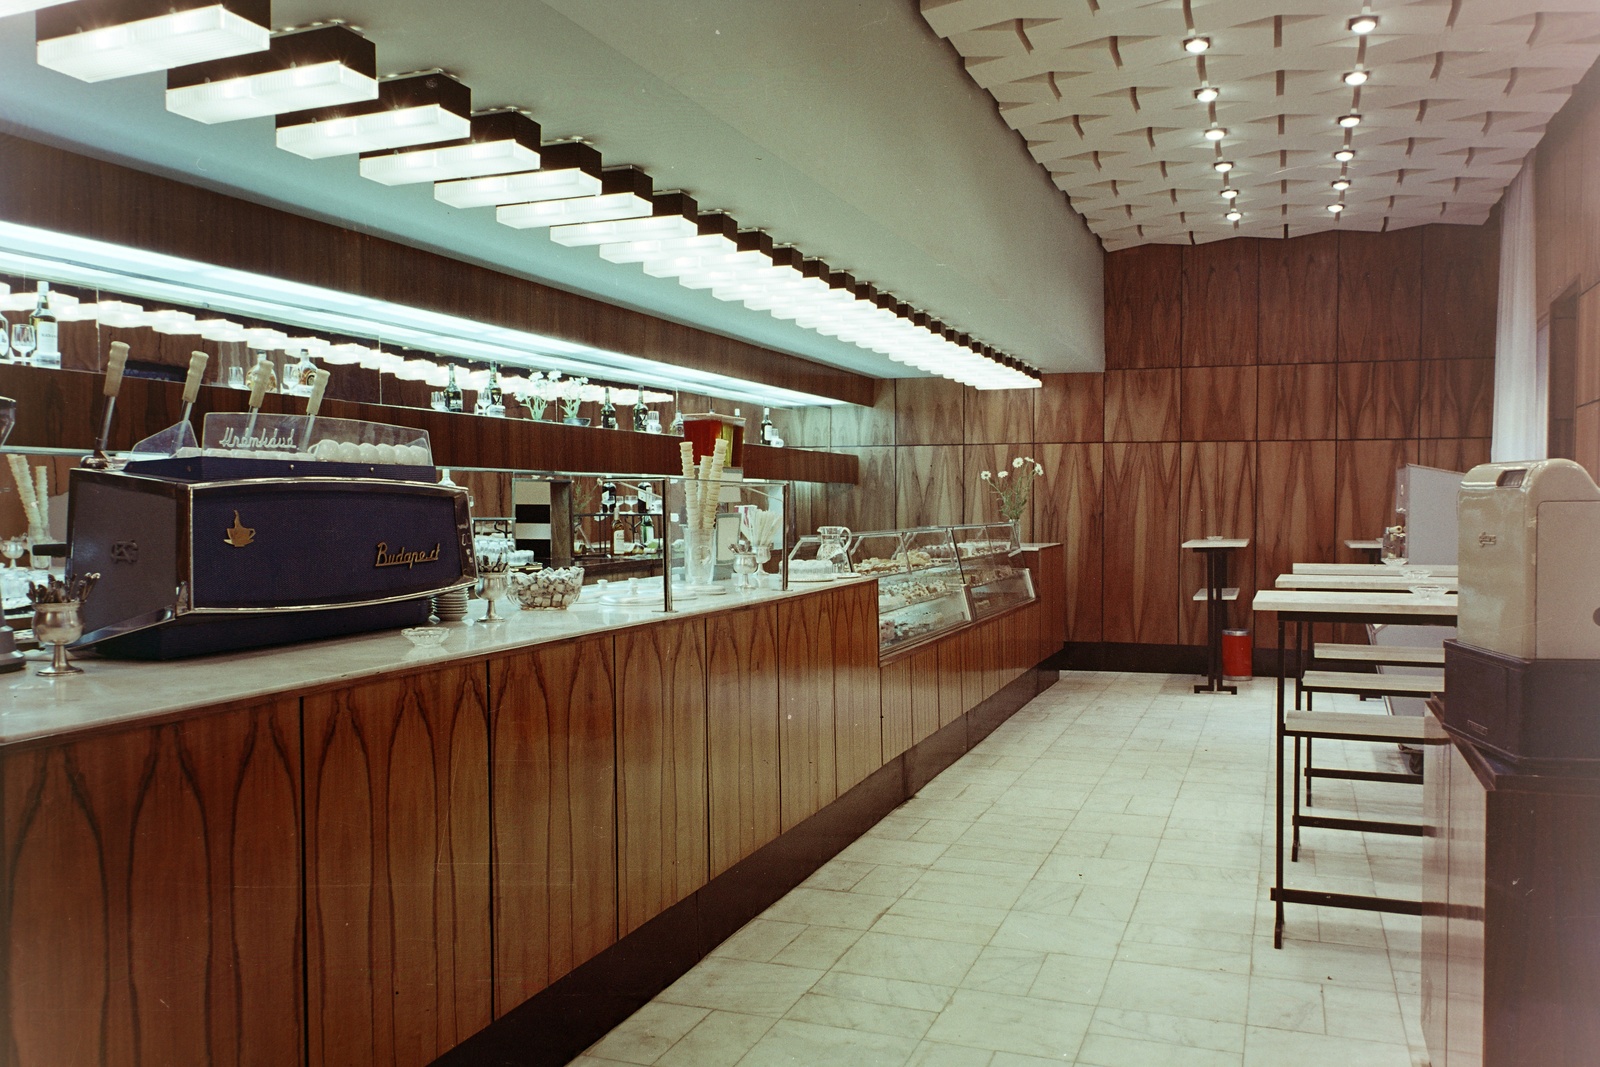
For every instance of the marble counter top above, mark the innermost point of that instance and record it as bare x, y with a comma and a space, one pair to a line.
111, 692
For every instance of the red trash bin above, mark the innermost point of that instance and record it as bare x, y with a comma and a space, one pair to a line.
1236, 655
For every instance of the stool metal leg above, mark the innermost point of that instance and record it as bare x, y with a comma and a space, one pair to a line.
1277, 928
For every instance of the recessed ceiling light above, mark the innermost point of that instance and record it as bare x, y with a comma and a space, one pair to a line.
1196, 45
1207, 93
1234, 216
1363, 23
1341, 184
1222, 166
1216, 133
1229, 194
1345, 155
1352, 119
1335, 208
1356, 77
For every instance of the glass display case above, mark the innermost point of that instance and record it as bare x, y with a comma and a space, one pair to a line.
920, 588
995, 580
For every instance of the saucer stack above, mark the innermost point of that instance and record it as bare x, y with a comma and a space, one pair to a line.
451, 606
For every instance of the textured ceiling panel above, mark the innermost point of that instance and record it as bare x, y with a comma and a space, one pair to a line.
1103, 93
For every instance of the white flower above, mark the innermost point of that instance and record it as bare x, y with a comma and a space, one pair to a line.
984, 476
1016, 462
1038, 468
1004, 473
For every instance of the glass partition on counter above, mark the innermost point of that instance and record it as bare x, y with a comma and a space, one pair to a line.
995, 579
920, 591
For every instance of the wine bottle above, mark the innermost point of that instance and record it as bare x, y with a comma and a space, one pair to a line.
47, 349
766, 426
639, 411
497, 396
608, 412
454, 400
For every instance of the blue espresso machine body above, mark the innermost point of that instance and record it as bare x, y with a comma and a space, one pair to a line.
205, 556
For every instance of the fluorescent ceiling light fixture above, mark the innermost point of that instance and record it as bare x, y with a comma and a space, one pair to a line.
315, 67
1216, 133
1222, 166
411, 109
1234, 216
1356, 77
1350, 121
501, 142
1195, 45
1335, 208
1207, 94
1363, 23
222, 331
95, 40
625, 194
673, 216
569, 169
75, 261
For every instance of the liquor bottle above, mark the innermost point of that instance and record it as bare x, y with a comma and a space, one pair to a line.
639, 411
766, 426
454, 400
608, 412
676, 429
497, 396
47, 349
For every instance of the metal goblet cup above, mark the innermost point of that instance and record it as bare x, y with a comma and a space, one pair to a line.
58, 625
493, 588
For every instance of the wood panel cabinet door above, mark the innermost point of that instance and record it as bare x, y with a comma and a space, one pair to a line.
857, 699
742, 732
898, 730
554, 802
926, 692
661, 769
397, 867
153, 894
805, 693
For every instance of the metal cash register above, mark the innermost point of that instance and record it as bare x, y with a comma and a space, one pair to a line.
265, 536
1523, 676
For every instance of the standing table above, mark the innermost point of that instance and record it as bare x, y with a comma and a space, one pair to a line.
1303, 607
1216, 595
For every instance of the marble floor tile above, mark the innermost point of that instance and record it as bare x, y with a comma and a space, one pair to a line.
1087, 886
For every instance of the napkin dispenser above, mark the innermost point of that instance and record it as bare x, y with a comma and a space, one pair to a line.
1523, 677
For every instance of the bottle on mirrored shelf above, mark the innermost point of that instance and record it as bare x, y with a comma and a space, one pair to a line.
497, 396
608, 412
619, 541
676, 429
640, 412
454, 399
47, 350
766, 426
646, 527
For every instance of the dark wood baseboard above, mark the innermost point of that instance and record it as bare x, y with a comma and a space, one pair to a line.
1153, 659
554, 1026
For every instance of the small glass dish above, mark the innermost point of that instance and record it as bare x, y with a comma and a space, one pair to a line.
426, 636
1429, 592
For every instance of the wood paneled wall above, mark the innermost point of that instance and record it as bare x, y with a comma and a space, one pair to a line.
1260, 388
1567, 243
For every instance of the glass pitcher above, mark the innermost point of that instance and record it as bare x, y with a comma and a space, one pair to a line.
834, 539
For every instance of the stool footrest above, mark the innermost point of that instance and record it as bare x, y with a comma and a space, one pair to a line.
1391, 655
1381, 685
1364, 776
1348, 900
1370, 826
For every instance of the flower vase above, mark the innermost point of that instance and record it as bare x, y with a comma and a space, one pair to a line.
1016, 536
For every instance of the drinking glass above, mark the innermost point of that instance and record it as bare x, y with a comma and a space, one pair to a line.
23, 341
14, 548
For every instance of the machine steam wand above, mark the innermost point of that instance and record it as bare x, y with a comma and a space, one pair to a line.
319, 385
115, 363
260, 376
191, 384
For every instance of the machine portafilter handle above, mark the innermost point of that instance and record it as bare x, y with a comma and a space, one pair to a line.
115, 364
191, 384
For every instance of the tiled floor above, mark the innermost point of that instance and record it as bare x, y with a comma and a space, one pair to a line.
1088, 885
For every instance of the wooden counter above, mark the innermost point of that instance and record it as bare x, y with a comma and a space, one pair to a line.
375, 865
1511, 913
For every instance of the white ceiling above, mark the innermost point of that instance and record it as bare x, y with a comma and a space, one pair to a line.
1103, 93
843, 127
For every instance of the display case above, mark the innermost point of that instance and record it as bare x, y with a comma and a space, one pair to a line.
921, 594
996, 580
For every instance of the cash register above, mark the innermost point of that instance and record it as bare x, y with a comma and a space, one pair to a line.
1523, 676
